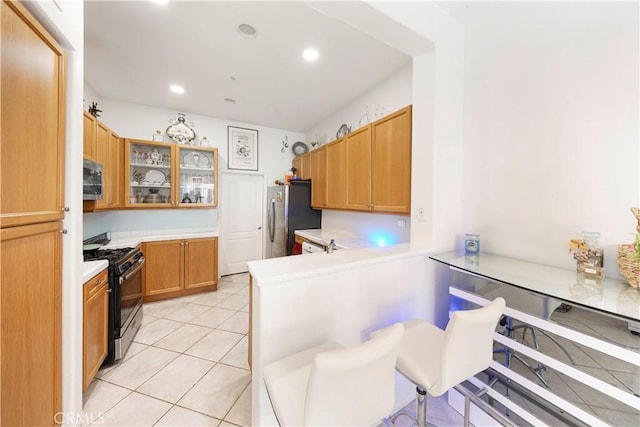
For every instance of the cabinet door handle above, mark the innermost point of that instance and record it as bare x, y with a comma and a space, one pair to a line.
64, 231
65, 209
186, 243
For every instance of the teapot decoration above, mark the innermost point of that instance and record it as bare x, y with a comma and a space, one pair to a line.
342, 131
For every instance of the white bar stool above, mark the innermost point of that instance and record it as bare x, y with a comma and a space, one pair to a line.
333, 386
436, 360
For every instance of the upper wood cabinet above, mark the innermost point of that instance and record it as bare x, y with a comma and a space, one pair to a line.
358, 169
32, 113
367, 170
335, 190
103, 138
318, 161
391, 163
303, 166
160, 174
107, 148
89, 143
297, 164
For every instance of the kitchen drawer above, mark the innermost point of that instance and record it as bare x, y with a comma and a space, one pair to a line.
92, 285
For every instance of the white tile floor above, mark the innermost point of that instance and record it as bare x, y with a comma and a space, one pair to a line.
188, 366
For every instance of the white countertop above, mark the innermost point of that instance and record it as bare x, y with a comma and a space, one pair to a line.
91, 268
276, 270
131, 239
342, 239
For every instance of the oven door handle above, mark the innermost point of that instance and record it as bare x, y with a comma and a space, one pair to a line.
128, 275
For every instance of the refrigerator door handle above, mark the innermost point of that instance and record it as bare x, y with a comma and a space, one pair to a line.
272, 221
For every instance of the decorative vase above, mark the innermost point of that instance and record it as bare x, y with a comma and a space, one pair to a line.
628, 265
629, 256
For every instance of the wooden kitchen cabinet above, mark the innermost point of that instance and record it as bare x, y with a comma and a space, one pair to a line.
297, 164
335, 191
116, 159
32, 113
318, 161
167, 175
328, 188
367, 170
94, 326
32, 149
391, 163
303, 166
306, 166
180, 267
103, 138
358, 169
30, 337
89, 142
108, 152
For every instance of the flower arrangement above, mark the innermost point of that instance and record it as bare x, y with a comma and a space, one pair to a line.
629, 256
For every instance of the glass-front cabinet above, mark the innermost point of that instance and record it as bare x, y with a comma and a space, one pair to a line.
168, 175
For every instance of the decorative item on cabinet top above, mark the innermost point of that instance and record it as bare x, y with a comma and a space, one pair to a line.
93, 110
299, 148
343, 131
629, 256
181, 132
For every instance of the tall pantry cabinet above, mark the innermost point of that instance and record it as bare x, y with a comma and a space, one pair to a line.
32, 68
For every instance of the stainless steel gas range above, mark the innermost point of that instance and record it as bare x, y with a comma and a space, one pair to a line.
125, 292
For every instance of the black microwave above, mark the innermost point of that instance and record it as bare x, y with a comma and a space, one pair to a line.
92, 183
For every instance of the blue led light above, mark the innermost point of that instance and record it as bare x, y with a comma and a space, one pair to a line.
382, 239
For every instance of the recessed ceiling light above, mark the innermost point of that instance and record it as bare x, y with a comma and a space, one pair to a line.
230, 100
310, 54
247, 30
176, 89
162, 2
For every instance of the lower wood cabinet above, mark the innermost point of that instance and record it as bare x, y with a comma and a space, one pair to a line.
30, 301
180, 267
94, 326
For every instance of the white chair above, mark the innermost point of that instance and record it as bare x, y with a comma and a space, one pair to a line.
333, 386
436, 360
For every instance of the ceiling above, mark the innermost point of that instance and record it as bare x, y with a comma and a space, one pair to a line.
134, 50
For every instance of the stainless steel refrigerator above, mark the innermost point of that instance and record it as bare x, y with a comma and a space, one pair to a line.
289, 209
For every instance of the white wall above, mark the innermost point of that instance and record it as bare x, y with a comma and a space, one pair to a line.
551, 127
137, 121
391, 94
388, 96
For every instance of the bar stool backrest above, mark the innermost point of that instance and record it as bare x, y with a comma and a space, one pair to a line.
354, 386
468, 344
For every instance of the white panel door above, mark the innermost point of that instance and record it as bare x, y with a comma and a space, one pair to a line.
241, 211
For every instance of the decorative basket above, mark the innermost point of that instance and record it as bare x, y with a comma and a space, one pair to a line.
629, 267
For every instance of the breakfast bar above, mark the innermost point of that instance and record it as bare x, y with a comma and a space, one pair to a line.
301, 301
567, 350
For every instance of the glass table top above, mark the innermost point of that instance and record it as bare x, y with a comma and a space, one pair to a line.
606, 295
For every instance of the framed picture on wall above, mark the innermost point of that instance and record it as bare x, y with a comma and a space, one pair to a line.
243, 148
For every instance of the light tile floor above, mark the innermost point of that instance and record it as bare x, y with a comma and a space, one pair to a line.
188, 366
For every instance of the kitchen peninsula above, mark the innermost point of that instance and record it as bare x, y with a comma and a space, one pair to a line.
301, 301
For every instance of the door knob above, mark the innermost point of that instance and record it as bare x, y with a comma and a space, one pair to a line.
260, 228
